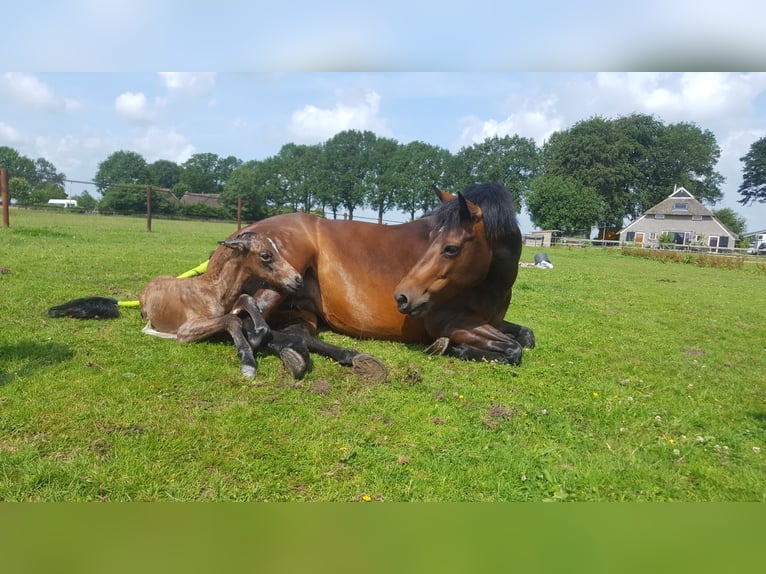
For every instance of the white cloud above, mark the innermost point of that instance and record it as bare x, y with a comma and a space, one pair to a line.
672, 97
312, 124
134, 107
9, 134
164, 144
189, 83
32, 92
536, 119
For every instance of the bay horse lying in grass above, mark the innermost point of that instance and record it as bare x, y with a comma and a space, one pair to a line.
203, 306
443, 280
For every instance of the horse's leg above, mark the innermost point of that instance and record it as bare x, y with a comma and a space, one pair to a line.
479, 343
523, 335
291, 350
198, 329
362, 364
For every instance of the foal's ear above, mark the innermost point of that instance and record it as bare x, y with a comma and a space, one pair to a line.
443, 195
237, 243
470, 212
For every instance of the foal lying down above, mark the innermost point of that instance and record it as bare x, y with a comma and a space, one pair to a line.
199, 307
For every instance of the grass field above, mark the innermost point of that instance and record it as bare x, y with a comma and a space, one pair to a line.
648, 383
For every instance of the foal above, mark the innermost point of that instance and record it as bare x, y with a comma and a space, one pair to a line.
199, 307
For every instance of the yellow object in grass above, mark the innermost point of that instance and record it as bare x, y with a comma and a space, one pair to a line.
198, 270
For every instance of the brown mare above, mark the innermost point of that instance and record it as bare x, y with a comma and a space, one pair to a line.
444, 279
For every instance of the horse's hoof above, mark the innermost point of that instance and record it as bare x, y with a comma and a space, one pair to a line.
248, 371
526, 337
369, 368
293, 362
438, 347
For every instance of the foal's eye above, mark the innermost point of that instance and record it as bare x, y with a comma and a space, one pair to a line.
267, 256
451, 250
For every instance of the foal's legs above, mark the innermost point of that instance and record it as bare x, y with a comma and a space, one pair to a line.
197, 329
523, 335
295, 341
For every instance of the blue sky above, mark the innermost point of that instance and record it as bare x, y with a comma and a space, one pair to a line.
87, 80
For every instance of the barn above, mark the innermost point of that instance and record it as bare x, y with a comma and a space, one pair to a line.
679, 219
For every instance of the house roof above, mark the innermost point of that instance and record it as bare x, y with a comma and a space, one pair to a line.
680, 202
213, 199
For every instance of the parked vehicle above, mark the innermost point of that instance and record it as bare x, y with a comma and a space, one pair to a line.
760, 249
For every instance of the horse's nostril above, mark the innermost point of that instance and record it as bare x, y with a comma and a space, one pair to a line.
299, 280
401, 299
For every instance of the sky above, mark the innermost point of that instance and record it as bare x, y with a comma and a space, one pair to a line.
87, 79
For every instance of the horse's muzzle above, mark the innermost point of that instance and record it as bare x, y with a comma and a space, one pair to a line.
409, 307
294, 285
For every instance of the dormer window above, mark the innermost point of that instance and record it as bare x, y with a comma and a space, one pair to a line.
681, 206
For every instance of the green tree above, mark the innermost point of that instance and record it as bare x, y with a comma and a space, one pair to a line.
509, 160
299, 168
46, 172
248, 182
561, 202
207, 172
380, 195
17, 165
347, 161
121, 167
597, 154
20, 190
48, 190
164, 173
753, 186
131, 198
733, 221
413, 171
86, 201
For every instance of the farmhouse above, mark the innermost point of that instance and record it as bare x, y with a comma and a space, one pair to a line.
683, 220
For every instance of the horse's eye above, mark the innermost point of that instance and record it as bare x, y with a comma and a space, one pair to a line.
451, 250
267, 256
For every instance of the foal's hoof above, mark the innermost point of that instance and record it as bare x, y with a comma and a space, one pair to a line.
248, 371
369, 368
293, 362
438, 347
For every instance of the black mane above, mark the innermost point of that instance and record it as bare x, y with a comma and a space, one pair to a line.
497, 206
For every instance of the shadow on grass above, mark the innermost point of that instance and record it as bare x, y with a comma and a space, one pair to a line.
20, 359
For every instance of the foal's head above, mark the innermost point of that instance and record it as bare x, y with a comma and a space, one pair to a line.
260, 259
458, 257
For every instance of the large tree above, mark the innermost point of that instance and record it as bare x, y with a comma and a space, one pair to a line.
509, 160
164, 173
412, 172
121, 167
563, 203
753, 186
207, 172
347, 160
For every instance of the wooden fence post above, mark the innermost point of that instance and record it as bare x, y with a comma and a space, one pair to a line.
148, 208
6, 200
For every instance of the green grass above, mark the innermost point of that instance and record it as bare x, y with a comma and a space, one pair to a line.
647, 384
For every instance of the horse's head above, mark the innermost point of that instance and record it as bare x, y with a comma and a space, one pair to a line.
262, 260
457, 258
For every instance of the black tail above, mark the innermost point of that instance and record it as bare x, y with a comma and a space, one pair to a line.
87, 308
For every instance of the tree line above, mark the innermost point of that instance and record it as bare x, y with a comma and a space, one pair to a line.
598, 173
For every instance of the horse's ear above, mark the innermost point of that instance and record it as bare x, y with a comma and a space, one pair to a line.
236, 243
442, 194
470, 212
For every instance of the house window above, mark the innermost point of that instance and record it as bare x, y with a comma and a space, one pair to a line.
696, 218
630, 236
653, 236
659, 216
681, 206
